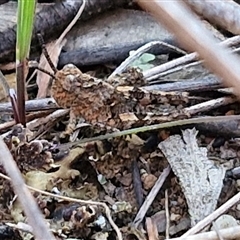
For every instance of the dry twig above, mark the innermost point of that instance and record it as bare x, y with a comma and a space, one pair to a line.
211, 104
123, 66
151, 196
30, 117
32, 105
167, 214
156, 72
227, 234
151, 229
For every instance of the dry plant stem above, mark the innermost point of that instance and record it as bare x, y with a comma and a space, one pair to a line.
87, 202
39, 122
32, 105
179, 68
35, 217
211, 104
21, 74
123, 66
7, 125
72, 23
151, 229
227, 234
48, 122
13, 100
224, 13
206, 221
148, 74
25, 228
151, 196
155, 72
167, 215
173, 70
30, 117
151, 128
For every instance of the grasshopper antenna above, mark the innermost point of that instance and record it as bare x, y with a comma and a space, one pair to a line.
45, 52
34, 64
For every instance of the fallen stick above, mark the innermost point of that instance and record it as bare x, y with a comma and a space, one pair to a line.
227, 234
207, 83
32, 105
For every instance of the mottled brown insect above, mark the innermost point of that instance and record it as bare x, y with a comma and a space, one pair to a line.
99, 101
90, 98
86, 96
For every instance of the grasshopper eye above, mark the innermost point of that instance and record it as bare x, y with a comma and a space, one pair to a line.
69, 66
70, 78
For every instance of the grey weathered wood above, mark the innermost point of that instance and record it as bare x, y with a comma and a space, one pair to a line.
51, 20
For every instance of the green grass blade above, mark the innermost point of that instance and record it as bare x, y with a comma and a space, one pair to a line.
25, 18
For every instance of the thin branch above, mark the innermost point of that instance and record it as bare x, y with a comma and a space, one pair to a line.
151, 196
206, 83
153, 73
139, 52
209, 105
228, 233
167, 214
32, 105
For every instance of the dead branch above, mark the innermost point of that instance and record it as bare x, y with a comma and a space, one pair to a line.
155, 72
228, 233
151, 196
207, 83
32, 105
211, 104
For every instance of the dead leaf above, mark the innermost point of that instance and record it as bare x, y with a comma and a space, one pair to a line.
200, 179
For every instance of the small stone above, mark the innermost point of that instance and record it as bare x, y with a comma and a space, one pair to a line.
225, 221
